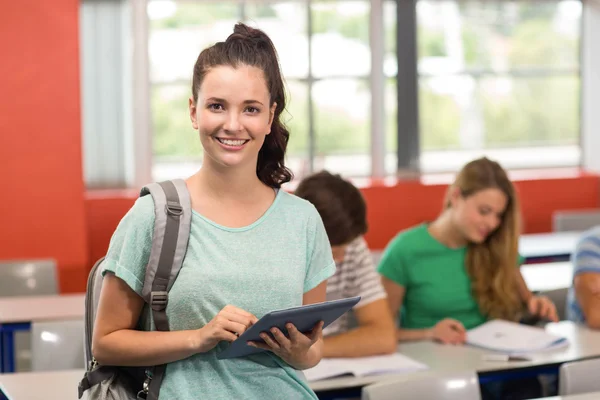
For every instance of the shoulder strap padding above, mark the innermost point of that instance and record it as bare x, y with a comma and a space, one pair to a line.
172, 221
173, 216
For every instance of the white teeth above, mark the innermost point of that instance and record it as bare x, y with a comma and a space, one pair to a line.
232, 142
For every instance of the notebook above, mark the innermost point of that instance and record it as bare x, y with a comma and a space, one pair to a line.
364, 366
513, 338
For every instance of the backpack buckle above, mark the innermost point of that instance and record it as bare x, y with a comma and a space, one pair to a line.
159, 300
174, 208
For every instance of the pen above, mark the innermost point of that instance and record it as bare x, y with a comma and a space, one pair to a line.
504, 357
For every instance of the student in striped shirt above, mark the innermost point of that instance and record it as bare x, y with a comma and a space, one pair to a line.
368, 329
583, 300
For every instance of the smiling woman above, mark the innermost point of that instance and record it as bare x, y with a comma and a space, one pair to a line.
253, 248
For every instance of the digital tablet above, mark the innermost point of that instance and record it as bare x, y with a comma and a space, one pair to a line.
304, 319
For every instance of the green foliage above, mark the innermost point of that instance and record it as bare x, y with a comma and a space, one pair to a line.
534, 110
173, 132
198, 13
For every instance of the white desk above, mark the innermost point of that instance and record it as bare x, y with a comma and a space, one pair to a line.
543, 245
584, 343
17, 313
41, 308
583, 396
548, 276
55, 385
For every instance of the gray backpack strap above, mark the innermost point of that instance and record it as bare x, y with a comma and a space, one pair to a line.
173, 215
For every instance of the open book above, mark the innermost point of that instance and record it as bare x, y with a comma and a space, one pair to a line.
513, 338
337, 367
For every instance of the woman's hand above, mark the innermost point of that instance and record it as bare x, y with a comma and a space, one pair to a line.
227, 325
542, 307
298, 351
449, 331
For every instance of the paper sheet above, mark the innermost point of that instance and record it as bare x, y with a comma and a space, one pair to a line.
336, 367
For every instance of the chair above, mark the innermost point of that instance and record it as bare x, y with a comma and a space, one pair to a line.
57, 345
454, 386
376, 255
559, 298
28, 278
575, 220
579, 377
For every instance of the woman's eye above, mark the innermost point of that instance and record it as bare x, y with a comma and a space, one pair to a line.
215, 106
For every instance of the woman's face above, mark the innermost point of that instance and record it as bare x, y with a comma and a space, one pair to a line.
232, 115
478, 215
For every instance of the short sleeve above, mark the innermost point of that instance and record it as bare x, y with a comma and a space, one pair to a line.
320, 259
586, 257
365, 281
392, 265
130, 245
520, 260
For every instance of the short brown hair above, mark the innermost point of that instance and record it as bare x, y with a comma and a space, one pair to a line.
340, 204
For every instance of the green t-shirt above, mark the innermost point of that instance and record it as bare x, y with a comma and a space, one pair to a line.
435, 279
265, 266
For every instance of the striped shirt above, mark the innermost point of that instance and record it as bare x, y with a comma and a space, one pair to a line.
586, 258
355, 276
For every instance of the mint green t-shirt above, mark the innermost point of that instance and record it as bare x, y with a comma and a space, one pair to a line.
265, 266
435, 279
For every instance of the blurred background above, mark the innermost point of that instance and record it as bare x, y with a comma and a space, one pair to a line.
395, 95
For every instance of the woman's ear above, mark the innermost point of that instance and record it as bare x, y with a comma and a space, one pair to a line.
271, 116
192, 110
455, 196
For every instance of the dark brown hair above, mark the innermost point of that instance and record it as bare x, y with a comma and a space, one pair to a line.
340, 204
252, 47
492, 265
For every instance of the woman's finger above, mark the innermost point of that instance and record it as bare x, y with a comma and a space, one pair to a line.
282, 341
259, 345
270, 342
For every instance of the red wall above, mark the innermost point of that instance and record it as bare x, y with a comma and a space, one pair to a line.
393, 207
42, 206
408, 203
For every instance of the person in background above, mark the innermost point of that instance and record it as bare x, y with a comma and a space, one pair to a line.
453, 274
583, 299
368, 329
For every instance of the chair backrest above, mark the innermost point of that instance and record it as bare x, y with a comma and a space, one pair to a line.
579, 377
575, 220
559, 298
57, 345
453, 386
376, 255
28, 278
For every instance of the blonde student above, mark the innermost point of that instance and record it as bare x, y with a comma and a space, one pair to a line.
368, 329
445, 277
253, 248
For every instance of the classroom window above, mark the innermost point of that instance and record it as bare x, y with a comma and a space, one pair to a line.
498, 78
324, 53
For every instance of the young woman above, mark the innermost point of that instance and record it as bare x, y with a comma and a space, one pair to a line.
462, 269
252, 248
